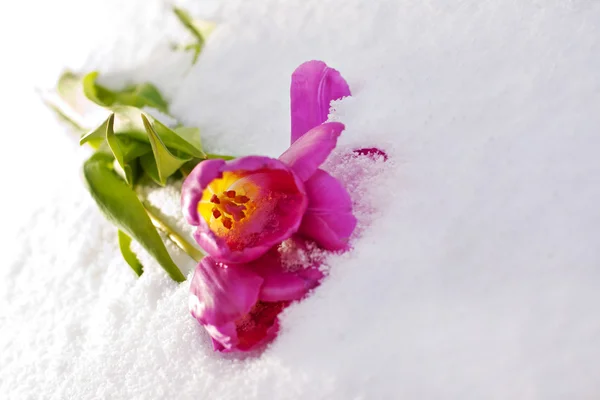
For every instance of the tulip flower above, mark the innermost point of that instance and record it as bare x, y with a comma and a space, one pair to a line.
244, 207
238, 304
248, 210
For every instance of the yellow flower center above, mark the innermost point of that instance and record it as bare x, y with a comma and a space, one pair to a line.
227, 202
229, 205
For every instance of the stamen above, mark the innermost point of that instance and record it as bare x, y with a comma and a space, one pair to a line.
229, 207
238, 215
241, 199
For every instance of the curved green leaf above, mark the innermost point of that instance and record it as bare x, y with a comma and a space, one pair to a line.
190, 135
96, 135
142, 95
166, 162
175, 141
125, 150
149, 166
119, 203
96, 93
128, 255
198, 28
128, 122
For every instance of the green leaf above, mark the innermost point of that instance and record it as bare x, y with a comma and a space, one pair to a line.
69, 87
198, 28
190, 135
119, 203
187, 21
166, 162
142, 95
125, 150
219, 157
177, 142
96, 93
128, 123
149, 166
132, 149
128, 255
96, 135
69, 102
139, 96
113, 143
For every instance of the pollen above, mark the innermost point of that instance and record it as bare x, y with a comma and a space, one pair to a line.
229, 207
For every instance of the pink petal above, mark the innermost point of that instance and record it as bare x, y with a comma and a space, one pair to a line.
194, 185
328, 220
306, 154
224, 337
281, 199
221, 294
239, 304
260, 325
289, 286
314, 86
280, 284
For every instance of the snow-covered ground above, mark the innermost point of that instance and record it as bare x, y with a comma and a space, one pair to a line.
476, 275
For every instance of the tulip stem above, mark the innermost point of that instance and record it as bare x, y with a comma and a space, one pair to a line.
210, 156
173, 236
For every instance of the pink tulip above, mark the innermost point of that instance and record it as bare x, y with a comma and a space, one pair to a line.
250, 210
244, 207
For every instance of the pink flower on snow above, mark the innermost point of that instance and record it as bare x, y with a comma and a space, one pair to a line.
244, 207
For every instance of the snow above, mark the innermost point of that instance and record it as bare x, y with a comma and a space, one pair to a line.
475, 274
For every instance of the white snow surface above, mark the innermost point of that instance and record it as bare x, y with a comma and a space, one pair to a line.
476, 273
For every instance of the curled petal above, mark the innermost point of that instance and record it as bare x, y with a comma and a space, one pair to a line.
289, 286
314, 86
220, 294
224, 299
239, 304
328, 220
266, 208
260, 326
280, 284
306, 154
